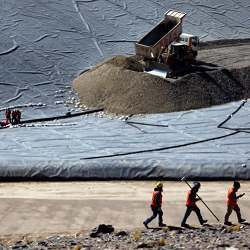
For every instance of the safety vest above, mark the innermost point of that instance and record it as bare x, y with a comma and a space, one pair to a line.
231, 197
156, 195
189, 201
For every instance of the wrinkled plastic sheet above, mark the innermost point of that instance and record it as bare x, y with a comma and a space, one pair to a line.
182, 144
45, 44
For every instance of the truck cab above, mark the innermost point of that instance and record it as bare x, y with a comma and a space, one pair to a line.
189, 40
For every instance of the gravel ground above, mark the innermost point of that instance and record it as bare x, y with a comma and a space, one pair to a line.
119, 85
208, 236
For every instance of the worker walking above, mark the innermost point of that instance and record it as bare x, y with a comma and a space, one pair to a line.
156, 206
191, 205
232, 203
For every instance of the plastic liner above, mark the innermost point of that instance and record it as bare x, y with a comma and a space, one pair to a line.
215, 148
45, 44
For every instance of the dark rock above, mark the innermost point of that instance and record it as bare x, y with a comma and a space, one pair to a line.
72, 242
121, 233
101, 229
223, 245
19, 246
43, 243
245, 245
94, 234
18, 242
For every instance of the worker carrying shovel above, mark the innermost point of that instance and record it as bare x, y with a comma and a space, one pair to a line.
191, 205
232, 203
156, 206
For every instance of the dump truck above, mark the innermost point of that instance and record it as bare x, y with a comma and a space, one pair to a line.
166, 47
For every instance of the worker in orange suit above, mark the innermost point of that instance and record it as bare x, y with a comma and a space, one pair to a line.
191, 205
232, 203
156, 206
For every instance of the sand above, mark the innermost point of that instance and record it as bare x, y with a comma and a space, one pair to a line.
55, 207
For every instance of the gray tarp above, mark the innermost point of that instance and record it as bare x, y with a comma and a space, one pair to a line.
188, 143
45, 44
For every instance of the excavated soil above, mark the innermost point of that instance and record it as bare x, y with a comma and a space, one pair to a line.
120, 85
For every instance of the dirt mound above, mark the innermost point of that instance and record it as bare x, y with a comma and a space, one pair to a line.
120, 86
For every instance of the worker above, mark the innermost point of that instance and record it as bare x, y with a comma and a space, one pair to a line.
191, 205
232, 203
18, 116
156, 206
13, 117
8, 115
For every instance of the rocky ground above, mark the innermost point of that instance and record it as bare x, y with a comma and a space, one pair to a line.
206, 237
120, 86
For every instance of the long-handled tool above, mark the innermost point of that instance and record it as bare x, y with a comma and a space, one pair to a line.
184, 179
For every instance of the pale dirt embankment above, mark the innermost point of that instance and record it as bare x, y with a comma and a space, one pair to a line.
34, 210
120, 86
82, 205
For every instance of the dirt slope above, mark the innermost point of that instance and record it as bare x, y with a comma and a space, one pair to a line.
120, 86
49, 207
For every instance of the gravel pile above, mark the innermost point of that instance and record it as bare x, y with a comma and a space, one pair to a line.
120, 86
206, 237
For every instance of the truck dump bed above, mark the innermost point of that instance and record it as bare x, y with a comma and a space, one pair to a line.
161, 35
158, 33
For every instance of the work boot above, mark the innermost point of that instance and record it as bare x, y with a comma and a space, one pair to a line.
228, 223
145, 224
162, 225
203, 222
242, 220
184, 225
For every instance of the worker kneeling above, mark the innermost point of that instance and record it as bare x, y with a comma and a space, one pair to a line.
191, 205
156, 206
